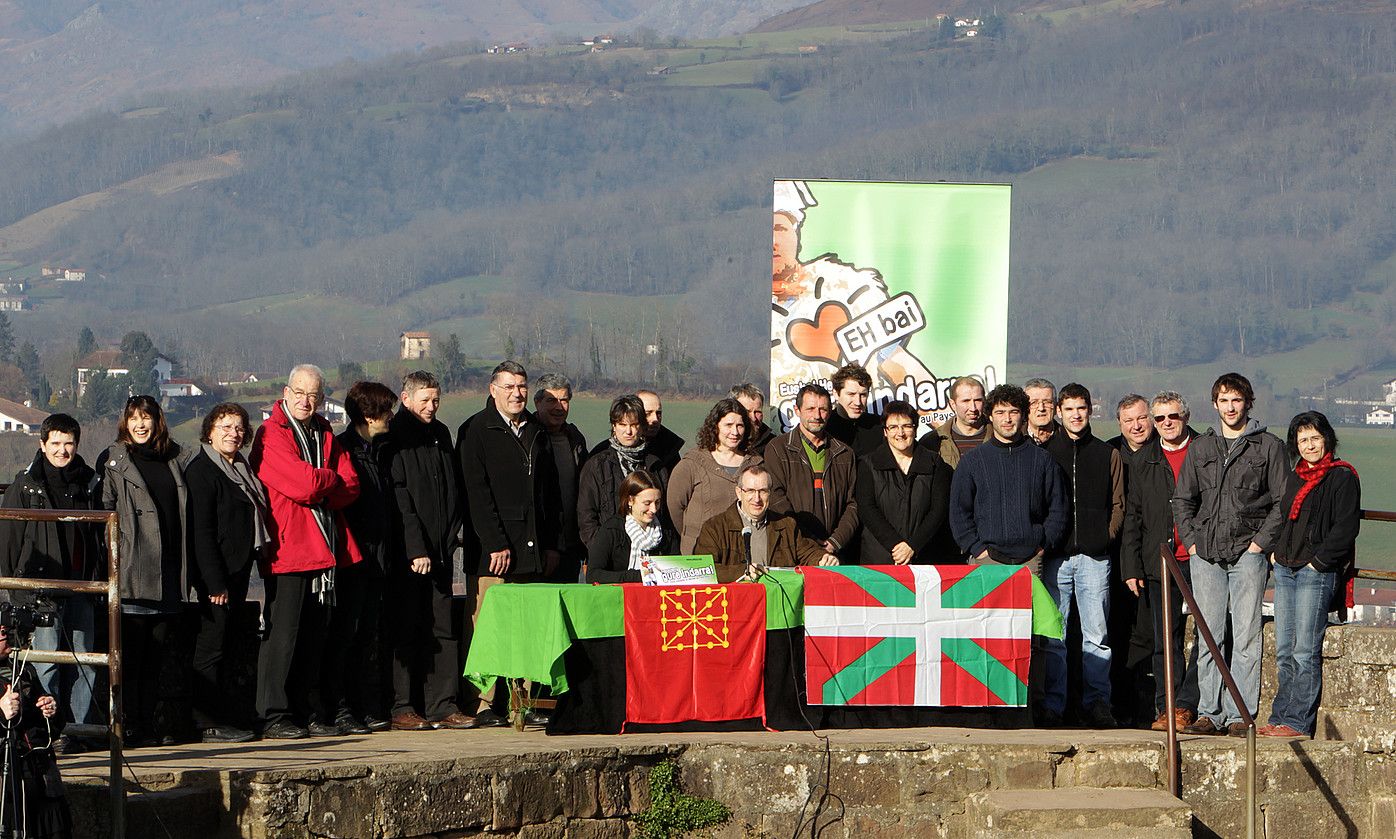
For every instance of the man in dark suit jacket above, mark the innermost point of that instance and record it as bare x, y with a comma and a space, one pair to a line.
426, 489
512, 494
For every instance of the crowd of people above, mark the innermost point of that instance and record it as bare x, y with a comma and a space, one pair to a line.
354, 535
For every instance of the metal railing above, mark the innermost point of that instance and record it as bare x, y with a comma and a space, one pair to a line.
1372, 573
1169, 569
1170, 573
111, 587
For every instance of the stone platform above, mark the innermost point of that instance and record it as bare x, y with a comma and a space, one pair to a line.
932, 782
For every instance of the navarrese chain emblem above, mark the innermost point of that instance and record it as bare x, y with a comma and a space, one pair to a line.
693, 619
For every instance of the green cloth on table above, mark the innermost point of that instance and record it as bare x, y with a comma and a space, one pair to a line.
525, 628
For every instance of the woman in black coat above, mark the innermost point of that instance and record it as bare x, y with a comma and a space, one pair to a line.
635, 532
611, 462
1316, 549
229, 523
903, 494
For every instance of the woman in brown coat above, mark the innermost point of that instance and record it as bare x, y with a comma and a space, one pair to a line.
705, 481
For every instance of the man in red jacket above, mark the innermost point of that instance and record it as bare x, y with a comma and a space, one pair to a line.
309, 480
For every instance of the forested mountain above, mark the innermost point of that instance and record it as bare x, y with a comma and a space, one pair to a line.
60, 58
1191, 179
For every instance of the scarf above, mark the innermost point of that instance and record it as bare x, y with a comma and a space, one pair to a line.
642, 539
629, 456
308, 444
1311, 474
240, 473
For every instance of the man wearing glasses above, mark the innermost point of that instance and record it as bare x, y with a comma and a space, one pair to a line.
1042, 410
1149, 528
309, 480
749, 536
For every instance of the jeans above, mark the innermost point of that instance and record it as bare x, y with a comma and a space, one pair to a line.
1087, 580
72, 631
1301, 619
1230, 590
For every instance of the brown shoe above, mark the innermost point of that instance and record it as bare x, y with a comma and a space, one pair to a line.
1160, 723
1237, 729
411, 721
456, 721
1204, 725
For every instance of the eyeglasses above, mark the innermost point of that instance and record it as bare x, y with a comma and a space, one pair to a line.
1167, 417
229, 429
312, 395
756, 492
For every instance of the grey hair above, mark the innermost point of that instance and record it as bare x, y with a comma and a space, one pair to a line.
747, 390
1126, 401
552, 381
310, 369
419, 380
1172, 396
511, 367
1039, 382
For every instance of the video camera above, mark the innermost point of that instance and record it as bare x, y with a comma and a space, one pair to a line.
19, 620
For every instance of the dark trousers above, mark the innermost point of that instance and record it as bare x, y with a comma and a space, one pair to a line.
147, 649
426, 653
1184, 675
354, 661
210, 706
292, 654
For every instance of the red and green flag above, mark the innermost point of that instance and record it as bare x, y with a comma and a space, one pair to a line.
695, 653
951, 635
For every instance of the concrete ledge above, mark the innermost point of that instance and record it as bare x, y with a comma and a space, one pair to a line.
1078, 812
889, 784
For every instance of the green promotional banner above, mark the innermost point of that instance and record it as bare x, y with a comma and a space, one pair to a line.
910, 280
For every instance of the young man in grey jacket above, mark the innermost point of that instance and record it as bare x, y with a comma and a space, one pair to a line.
1227, 510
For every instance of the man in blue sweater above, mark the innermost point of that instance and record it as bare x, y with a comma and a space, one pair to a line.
1009, 506
1008, 499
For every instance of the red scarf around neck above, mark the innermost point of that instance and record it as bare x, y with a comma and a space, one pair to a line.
1311, 474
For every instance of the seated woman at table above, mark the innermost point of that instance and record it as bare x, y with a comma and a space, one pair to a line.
633, 533
903, 494
774, 538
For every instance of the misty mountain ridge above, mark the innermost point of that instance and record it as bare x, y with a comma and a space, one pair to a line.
1192, 182
61, 58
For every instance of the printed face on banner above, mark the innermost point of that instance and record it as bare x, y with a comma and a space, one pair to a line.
908, 280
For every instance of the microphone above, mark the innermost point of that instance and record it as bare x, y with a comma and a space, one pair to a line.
753, 570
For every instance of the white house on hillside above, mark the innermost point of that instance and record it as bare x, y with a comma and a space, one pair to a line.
1381, 416
110, 361
17, 417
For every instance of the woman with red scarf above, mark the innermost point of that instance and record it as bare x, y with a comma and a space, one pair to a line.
1313, 556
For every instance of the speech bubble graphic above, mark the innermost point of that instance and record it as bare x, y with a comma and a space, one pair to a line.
881, 327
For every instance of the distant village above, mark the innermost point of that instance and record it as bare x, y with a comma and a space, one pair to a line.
15, 291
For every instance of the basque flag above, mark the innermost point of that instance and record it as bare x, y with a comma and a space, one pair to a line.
695, 653
949, 635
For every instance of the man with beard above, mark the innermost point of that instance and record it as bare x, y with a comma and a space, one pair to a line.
661, 442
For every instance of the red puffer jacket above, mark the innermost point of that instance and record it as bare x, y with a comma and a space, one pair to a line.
292, 485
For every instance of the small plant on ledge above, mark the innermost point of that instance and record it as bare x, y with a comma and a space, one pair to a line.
672, 813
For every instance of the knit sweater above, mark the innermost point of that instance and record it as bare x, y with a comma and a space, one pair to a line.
1009, 499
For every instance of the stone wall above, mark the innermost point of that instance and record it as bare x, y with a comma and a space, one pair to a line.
889, 783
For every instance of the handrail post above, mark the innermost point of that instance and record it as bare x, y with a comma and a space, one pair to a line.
1205, 633
117, 783
1175, 782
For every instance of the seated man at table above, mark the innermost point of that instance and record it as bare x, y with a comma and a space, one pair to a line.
775, 540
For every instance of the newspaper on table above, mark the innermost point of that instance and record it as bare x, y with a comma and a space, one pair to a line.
678, 570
